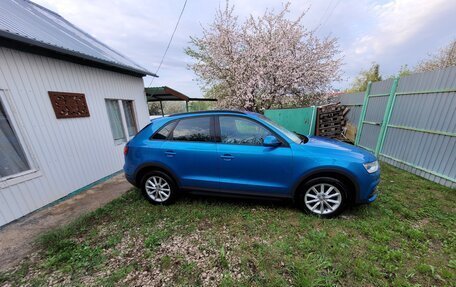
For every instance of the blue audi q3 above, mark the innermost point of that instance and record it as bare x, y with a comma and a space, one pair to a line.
246, 154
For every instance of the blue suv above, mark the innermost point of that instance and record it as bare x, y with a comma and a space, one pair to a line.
246, 154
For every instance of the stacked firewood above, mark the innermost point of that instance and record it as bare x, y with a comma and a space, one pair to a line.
331, 120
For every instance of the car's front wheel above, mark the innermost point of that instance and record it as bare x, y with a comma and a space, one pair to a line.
158, 188
323, 196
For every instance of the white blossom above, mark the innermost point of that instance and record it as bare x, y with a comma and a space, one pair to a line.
264, 62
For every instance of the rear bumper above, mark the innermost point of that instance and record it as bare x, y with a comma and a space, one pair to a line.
131, 179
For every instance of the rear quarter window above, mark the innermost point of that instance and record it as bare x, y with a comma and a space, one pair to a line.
164, 132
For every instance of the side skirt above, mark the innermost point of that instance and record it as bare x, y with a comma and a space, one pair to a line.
232, 193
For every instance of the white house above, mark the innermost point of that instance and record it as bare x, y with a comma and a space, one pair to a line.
68, 104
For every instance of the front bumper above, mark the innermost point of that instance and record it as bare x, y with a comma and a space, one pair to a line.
368, 185
374, 194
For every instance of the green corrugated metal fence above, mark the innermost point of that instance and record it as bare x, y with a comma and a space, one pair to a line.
409, 122
300, 120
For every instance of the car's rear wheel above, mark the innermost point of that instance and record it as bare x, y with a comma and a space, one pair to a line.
323, 196
158, 188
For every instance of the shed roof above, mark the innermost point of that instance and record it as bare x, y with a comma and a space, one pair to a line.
164, 94
156, 94
25, 25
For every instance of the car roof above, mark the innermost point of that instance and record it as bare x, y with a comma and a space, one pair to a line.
159, 122
213, 112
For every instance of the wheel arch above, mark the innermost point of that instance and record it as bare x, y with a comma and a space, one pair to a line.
145, 168
342, 175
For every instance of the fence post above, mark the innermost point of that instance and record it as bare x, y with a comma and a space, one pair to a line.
363, 114
386, 117
313, 121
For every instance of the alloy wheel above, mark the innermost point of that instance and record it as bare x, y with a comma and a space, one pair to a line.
158, 188
323, 198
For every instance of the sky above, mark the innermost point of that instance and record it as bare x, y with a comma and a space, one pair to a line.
391, 33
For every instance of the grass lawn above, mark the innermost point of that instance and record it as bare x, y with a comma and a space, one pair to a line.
406, 238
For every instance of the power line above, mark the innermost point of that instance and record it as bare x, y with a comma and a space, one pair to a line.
325, 12
330, 13
327, 16
323, 15
169, 43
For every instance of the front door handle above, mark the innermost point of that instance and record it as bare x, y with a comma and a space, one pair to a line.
227, 157
170, 153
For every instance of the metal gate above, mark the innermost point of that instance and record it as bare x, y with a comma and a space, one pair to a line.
410, 122
300, 120
374, 117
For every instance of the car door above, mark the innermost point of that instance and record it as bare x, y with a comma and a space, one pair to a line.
190, 152
246, 166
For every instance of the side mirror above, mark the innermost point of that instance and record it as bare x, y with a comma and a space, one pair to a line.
271, 141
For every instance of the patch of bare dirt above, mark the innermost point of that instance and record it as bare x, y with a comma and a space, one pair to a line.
195, 249
210, 256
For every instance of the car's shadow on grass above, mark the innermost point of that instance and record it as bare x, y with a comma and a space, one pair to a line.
240, 201
260, 202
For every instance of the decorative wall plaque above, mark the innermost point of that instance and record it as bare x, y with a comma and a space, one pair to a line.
69, 105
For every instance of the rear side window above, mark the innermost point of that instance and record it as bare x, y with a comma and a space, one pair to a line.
164, 132
196, 129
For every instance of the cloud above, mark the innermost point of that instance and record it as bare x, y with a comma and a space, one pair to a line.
404, 32
390, 32
396, 24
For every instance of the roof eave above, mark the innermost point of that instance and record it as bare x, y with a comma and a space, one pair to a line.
36, 47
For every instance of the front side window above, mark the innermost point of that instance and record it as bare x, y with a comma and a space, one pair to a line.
115, 121
291, 135
12, 156
130, 117
237, 130
193, 129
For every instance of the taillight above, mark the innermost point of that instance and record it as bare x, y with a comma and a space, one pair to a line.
125, 150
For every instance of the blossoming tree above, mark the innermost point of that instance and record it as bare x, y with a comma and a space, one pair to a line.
264, 62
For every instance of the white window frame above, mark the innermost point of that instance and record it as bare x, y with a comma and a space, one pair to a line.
123, 119
135, 117
19, 131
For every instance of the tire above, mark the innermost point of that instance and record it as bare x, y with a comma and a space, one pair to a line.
328, 204
166, 192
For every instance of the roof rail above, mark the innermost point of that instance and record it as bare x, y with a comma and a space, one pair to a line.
209, 111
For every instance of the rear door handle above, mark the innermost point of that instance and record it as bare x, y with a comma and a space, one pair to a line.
227, 157
170, 153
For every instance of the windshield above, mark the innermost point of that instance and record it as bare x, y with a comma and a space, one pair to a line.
291, 135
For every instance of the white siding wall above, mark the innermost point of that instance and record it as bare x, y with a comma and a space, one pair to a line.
69, 153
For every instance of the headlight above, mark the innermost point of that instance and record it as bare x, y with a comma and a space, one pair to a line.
371, 167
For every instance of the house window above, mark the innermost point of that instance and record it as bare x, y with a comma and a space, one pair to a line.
115, 120
12, 156
122, 119
130, 117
